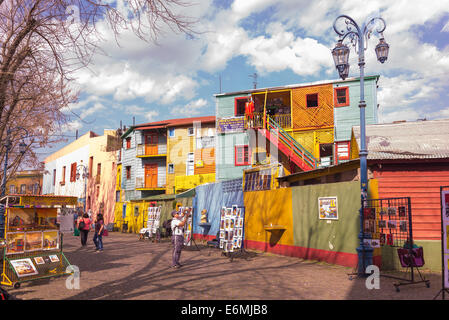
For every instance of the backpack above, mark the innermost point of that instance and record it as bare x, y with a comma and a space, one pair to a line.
81, 224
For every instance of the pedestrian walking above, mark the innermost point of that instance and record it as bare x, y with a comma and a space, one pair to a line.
98, 235
84, 226
177, 226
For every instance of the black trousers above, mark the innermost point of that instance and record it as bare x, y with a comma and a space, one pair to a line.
83, 236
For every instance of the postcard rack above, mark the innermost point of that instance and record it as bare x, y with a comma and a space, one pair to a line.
232, 231
33, 242
388, 222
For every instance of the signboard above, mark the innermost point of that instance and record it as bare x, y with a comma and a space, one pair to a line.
228, 125
66, 220
327, 207
445, 224
35, 201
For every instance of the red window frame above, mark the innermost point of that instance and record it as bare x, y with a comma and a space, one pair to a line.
235, 106
338, 144
346, 97
317, 100
73, 172
128, 143
236, 153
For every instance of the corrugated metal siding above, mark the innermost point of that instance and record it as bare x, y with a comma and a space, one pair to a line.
346, 117
317, 117
421, 183
129, 159
226, 106
311, 139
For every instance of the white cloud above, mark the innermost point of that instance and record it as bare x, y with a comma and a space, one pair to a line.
91, 110
191, 109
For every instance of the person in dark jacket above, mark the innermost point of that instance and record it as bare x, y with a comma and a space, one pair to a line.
98, 235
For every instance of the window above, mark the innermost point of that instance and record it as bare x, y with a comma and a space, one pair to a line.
342, 150
171, 132
171, 168
12, 189
242, 157
326, 151
73, 172
36, 188
54, 176
190, 164
341, 97
91, 166
239, 106
23, 188
128, 172
117, 196
63, 176
312, 100
191, 131
98, 170
128, 143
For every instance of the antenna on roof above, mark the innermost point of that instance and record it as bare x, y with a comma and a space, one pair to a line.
134, 121
254, 76
219, 77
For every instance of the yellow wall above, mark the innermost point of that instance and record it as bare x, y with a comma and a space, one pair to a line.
311, 139
268, 207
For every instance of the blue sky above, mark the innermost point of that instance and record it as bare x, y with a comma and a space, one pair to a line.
284, 42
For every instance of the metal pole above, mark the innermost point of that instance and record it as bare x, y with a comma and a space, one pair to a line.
3, 188
365, 253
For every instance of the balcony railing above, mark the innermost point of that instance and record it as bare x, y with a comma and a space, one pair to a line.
140, 184
284, 120
157, 150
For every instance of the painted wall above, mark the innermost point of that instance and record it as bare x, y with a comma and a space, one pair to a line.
335, 241
263, 208
311, 139
347, 117
32, 179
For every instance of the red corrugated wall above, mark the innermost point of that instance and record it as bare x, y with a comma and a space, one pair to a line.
421, 182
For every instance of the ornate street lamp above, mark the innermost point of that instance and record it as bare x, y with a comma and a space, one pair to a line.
359, 36
85, 176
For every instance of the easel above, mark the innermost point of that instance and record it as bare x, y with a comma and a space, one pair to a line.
443, 289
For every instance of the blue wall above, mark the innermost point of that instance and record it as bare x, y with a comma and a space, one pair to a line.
212, 197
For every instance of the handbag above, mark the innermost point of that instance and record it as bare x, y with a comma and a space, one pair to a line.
105, 232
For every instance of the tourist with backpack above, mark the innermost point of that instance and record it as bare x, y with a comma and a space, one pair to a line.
84, 226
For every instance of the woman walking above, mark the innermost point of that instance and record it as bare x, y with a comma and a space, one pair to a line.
98, 236
84, 226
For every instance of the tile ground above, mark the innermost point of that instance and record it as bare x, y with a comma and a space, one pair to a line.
140, 270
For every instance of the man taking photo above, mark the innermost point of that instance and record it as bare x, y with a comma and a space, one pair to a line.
177, 226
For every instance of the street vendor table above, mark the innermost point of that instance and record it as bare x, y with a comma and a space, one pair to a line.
33, 240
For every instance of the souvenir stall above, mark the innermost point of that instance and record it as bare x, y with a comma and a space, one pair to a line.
232, 229
388, 222
33, 237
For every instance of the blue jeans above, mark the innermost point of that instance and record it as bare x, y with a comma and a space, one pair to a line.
98, 240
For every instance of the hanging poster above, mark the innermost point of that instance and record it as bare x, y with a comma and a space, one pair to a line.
231, 228
328, 208
33, 240
66, 219
24, 267
15, 242
50, 240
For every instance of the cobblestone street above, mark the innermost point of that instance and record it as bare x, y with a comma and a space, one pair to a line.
133, 269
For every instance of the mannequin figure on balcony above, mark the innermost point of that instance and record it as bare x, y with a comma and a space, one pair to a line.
249, 111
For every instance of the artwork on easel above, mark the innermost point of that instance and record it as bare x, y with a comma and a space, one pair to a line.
33, 241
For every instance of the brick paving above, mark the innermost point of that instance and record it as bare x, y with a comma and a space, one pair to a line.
140, 270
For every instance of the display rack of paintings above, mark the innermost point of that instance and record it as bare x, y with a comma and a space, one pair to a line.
33, 239
153, 220
388, 222
231, 228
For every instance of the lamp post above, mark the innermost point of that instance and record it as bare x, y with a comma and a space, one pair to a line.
359, 37
85, 175
8, 146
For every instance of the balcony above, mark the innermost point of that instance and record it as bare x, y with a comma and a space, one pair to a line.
140, 185
149, 151
284, 121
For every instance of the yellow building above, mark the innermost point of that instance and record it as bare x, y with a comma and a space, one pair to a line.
25, 182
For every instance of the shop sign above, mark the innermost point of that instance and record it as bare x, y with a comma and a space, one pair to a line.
228, 125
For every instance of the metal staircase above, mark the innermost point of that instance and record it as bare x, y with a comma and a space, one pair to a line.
288, 145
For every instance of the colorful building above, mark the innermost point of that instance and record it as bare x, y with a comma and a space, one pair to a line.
295, 128
25, 182
167, 157
94, 156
